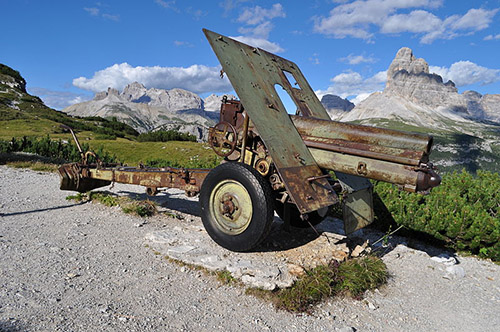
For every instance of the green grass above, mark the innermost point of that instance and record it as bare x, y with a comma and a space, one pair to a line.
352, 278
34, 165
225, 277
141, 208
186, 154
104, 198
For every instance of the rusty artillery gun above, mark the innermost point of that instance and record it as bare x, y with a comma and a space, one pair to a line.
274, 161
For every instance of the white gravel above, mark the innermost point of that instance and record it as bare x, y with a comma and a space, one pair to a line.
85, 267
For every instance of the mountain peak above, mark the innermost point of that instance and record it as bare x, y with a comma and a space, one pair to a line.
134, 92
406, 61
414, 95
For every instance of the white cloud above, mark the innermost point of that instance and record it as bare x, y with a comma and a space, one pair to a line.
92, 11
416, 21
258, 15
196, 78
492, 37
167, 4
361, 18
258, 26
115, 18
357, 59
260, 31
465, 72
260, 43
314, 59
180, 43
352, 84
474, 19
229, 5
58, 99
359, 98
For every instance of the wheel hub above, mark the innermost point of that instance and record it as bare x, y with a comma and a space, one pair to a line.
228, 206
231, 207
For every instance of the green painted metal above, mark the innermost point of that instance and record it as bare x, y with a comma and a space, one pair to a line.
255, 74
389, 138
357, 203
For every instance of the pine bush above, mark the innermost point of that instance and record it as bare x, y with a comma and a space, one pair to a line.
464, 211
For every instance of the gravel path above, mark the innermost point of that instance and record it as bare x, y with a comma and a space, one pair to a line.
85, 267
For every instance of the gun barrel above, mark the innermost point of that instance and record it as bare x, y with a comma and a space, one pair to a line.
381, 154
414, 145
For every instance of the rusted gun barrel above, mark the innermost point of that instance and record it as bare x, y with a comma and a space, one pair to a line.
380, 154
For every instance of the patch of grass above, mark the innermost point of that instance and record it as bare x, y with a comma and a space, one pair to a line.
104, 198
360, 275
188, 265
225, 277
140, 208
352, 277
316, 285
79, 197
107, 199
34, 165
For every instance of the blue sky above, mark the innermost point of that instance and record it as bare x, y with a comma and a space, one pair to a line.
69, 49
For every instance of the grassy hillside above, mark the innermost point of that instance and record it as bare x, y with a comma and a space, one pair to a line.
473, 147
22, 114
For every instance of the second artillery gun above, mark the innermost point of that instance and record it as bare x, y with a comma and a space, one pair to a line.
274, 161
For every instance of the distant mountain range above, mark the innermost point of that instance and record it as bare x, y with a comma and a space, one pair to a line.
22, 114
466, 126
153, 109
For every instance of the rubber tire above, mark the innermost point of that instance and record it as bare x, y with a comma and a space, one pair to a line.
295, 220
262, 204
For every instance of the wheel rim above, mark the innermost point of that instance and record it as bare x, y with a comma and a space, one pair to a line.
231, 207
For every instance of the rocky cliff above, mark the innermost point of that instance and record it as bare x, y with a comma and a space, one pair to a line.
336, 106
466, 126
417, 97
152, 109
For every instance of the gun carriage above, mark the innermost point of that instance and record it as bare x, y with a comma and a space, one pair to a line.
275, 161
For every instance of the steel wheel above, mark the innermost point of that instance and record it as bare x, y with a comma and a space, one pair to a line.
231, 206
236, 206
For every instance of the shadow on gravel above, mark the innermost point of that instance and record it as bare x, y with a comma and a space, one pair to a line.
169, 201
41, 210
10, 326
24, 156
281, 239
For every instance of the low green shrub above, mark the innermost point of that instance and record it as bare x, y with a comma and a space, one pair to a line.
103, 198
464, 211
141, 208
352, 277
165, 136
57, 150
194, 162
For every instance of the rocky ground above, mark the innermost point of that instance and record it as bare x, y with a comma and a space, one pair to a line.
67, 266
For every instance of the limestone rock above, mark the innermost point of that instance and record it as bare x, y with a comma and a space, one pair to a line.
135, 92
491, 107
150, 109
414, 95
335, 105
212, 103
